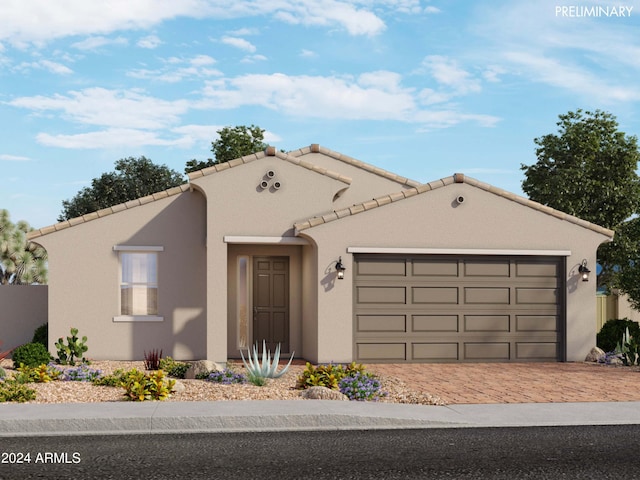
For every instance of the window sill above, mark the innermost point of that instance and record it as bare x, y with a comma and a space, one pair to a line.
138, 318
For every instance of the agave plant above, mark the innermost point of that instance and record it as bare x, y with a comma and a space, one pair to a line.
265, 368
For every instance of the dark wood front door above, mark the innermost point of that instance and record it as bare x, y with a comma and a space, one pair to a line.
271, 302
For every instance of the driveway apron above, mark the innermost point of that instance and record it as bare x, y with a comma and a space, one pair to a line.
518, 382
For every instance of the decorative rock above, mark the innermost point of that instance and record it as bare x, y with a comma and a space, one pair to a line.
322, 393
595, 355
178, 387
201, 366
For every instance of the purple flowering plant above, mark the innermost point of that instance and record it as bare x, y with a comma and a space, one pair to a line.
227, 376
361, 386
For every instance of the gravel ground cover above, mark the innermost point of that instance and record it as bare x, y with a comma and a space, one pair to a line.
199, 390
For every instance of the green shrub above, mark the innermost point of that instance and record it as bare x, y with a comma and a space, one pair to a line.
328, 375
3, 374
31, 355
67, 354
12, 391
41, 374
611, 333
113, 380
41, 335
140, 386
173, 368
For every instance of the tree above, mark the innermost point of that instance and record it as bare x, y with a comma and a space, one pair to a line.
21, 262
133, 178
588, 169
232, 142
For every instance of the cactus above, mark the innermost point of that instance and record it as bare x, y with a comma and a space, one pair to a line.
67, 354
265, 368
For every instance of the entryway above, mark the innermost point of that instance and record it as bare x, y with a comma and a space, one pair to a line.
271, 302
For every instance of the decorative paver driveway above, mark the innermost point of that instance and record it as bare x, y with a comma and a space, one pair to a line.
518, 382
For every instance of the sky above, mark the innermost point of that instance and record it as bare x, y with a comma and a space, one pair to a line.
421, 88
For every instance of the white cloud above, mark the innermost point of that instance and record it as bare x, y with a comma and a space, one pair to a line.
110, 138
201, 60
372, 96
561, 52
195, 67
254, 58
111, 108
568, 75
39, 21
53, 67
307, 53
94, 43
431, 9
206, 134
13, 158
240, 43
447, 72
150, 42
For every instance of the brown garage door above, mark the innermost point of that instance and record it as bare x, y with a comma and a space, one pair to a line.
440, 308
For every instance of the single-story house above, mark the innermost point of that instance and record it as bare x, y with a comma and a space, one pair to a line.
332, 258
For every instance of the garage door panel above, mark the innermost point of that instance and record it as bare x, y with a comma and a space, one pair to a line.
381, 323
458, 309
486, 323
536, 323
434, 295
487, 351
381, 295
381, 352
478, 268
537, 269
494, 295
442, 268
536, 351
435, 351
434, 323
544, 296
378, 267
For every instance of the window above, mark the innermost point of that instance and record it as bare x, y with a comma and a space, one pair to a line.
138, 284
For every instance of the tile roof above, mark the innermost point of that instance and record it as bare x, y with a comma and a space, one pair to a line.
316, 148
107, 211
269, 152
456, 178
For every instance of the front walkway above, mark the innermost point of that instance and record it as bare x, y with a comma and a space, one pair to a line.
518, 382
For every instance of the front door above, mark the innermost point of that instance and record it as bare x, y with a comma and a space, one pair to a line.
271, 302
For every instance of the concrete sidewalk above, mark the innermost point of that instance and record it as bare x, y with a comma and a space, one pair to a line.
276, 415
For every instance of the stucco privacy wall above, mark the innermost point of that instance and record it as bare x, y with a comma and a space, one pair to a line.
84, 277
23, 308
434, 220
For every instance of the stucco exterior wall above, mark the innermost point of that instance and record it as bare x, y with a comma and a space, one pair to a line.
84, 276
23, 308
239, 207
434, 220
365, 185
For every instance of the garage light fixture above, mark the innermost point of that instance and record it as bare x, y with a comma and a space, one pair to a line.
340, 269
584, 271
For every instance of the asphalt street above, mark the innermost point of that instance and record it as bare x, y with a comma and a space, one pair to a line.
585, 452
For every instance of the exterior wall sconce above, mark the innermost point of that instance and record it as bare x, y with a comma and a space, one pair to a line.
340, 269
584, 271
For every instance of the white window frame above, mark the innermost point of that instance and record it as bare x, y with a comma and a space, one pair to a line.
135, 249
